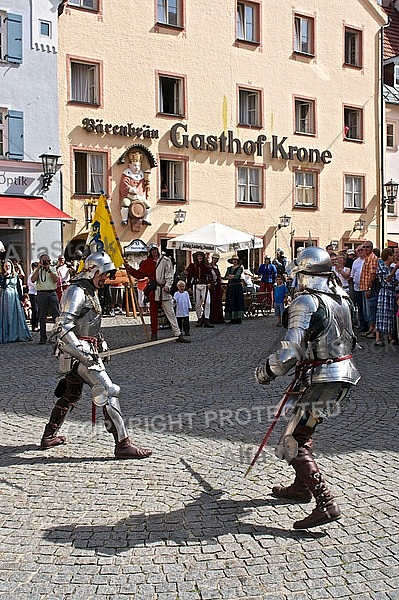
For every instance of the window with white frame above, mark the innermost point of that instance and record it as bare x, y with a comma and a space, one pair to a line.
305, 116
248, 22
391, 210
353, 123
354, 192
172, 173
85, 82
87, 4
249, 107
249, 185
303, 34
396, 76
305, 189
45, 28
353, 47
2, 35
391, 137
171, 95
169, 12
89, 172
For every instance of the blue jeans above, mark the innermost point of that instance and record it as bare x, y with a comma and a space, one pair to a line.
370, 307
361, 321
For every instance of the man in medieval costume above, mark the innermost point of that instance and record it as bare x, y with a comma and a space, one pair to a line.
78, 342
318, 344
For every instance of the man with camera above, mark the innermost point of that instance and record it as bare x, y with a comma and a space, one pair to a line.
45, 278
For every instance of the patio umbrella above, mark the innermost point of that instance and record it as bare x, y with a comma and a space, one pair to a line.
215, 237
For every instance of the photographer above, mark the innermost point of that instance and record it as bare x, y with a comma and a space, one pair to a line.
45, 279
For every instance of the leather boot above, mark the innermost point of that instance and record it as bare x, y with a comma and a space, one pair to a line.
50, 439
208, 324
296, 491
154, 337
125, 449
326, 509
200, 322
182, 340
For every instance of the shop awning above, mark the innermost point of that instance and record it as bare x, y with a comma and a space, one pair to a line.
30, 207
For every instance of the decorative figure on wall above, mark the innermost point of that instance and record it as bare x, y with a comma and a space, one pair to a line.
134, 188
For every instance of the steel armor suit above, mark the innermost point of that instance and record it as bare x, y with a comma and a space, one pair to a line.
78, 341
318, 344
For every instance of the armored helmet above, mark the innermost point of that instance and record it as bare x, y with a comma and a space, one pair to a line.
313, 261
97, 262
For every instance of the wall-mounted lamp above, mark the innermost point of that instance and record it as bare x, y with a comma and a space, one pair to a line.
334, 244
359, 225
50, 164
180, 216
89, 208
284, 221
390, 192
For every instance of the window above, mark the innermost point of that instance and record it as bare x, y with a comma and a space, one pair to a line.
354, 192
353, 123
2, 133
170, 95
249, 185
10, 38
396, 76
305, 116
391, 135
353, 47
89, 172
391, 210
87, 4
248, 22
45, 28
169, 12
305, 189
85, 83
303, 34
249, 107
11, 134
172, 173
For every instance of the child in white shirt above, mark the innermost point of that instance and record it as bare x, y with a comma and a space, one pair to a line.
182, 304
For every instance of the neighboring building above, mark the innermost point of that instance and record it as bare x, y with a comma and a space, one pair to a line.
243, 112
391, 97
28, 128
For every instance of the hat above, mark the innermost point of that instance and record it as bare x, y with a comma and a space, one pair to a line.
267, 256
199, 252
234, 257
279, 251
350, 251
215, 255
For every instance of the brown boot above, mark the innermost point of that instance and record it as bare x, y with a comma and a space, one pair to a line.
200, 322
154, 337
182, 340
208, 324
50, 439
296, 491
326, 511
125, 449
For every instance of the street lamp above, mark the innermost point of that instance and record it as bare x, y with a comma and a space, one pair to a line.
359, 225
180, 216
89, 208
50, 164
334, 244
284, 222
390, 192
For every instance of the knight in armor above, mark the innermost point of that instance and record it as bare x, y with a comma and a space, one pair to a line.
319, 342
79, 343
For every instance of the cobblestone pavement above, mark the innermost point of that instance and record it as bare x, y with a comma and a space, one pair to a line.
184, 524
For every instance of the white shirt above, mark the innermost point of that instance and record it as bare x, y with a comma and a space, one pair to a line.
31, 286
183, 303
344, 282
63, 274
356, 271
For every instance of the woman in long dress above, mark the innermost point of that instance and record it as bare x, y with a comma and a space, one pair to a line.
385, 321
235, 304
13, 326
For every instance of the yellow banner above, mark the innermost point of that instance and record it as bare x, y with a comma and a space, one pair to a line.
102, 235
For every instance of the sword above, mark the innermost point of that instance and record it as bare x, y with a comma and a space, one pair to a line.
289, 392
132, 348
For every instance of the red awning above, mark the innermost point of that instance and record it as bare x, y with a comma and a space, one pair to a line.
29, 207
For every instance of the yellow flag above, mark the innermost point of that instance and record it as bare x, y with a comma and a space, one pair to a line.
102, 235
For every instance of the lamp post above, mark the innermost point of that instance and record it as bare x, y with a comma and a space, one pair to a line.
180, 216
284, 222
389, 195
50, 164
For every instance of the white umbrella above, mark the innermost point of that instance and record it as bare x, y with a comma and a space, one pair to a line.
215, 238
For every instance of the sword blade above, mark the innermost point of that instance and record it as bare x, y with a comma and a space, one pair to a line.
135, 347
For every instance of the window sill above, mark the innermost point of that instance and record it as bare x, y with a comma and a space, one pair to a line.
170, 115
85, 195
305, 133
354, 210
247, 42
355, 140
78, 103
172, 200
248, 126
305, 206
350, 66
305, 54
169, 26
249, 204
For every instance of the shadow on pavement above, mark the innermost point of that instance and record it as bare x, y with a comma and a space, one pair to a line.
202, 520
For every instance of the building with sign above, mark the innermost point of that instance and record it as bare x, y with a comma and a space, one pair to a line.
261, 116
30, 215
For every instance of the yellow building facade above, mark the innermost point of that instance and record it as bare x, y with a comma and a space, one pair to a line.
241, 112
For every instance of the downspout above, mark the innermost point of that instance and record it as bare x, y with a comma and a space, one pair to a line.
382, 135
